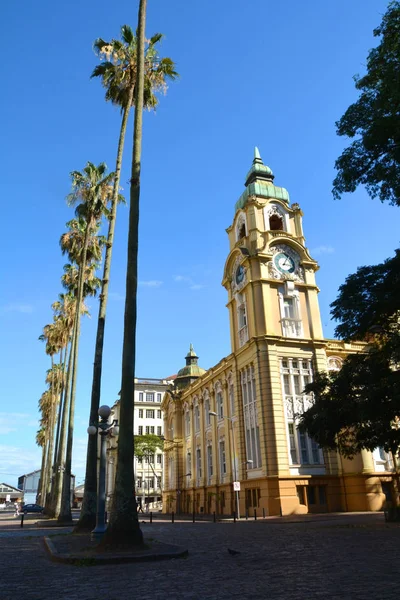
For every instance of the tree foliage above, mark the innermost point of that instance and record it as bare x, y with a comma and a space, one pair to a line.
359, 406
147, 444
373, 121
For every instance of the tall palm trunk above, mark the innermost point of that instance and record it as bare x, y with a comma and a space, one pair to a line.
124, 525
87, 520
65, 510
39, 494
56, 462
63, 434
43, 483
52, 421
60, 394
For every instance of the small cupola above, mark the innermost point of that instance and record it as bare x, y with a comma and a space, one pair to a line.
258, 170
191, 371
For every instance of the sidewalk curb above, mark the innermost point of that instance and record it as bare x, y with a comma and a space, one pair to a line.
112, 559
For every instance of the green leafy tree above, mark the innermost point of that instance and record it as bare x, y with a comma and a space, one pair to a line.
118, 77
373, 121
147, 444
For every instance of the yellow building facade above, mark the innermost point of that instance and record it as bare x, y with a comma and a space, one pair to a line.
236, 422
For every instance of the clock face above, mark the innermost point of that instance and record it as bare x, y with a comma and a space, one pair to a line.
239, 275
284, 263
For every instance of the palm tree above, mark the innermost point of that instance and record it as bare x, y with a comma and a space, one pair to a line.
65, 313
119, 79
41, 442
124, 525
92, 188
52, 347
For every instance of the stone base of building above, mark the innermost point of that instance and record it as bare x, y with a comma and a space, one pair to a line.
290, 495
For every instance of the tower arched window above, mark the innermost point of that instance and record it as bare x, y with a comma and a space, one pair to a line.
275, 222
242, 231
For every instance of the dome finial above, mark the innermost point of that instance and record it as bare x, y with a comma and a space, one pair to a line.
257, 156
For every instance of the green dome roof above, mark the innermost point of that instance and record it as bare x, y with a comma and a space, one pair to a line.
191, 369
259, 182
258, 170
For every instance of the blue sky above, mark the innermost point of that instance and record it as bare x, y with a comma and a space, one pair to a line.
272, 74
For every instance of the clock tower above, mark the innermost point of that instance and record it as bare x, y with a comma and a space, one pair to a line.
269, 273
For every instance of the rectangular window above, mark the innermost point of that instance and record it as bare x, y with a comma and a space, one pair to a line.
140, 430
250, 415
149, 413
159, 396
220, 406
288, 308
159, 414
197, 418
311, 494
315, 451
147, 429
322, 494
139, 459
188, 462
209, 461
187, 423
292, 442
159, 459
149, 396
140, 396
207, 411
159, 481
198, 466
150, 483
296, 374
303, 448
159, 430
149, 458
290, 313
152, 429
231, 400
140, 413
222, 458
139, 482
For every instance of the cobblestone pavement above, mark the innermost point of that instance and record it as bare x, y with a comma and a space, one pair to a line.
328, 558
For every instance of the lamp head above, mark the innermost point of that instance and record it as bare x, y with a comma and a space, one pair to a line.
212, 413
92, 430
104, 411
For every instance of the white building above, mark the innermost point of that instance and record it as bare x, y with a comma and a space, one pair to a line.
148, 419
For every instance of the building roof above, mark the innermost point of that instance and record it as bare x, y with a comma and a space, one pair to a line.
191, 370
259, 182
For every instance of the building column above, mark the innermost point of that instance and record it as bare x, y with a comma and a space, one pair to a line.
367, 461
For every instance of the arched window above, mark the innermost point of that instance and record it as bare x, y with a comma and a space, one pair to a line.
275, 222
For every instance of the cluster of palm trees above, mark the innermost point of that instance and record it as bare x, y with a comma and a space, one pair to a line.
132, 73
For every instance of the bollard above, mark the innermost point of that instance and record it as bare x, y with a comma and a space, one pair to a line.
234, 516
247, 514
215, 520
105, 517
151, 517
255, 514
263, 513
172, 517
22, 519
194, 516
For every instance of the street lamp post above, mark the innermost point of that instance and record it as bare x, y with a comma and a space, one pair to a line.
235, 473
104, 428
